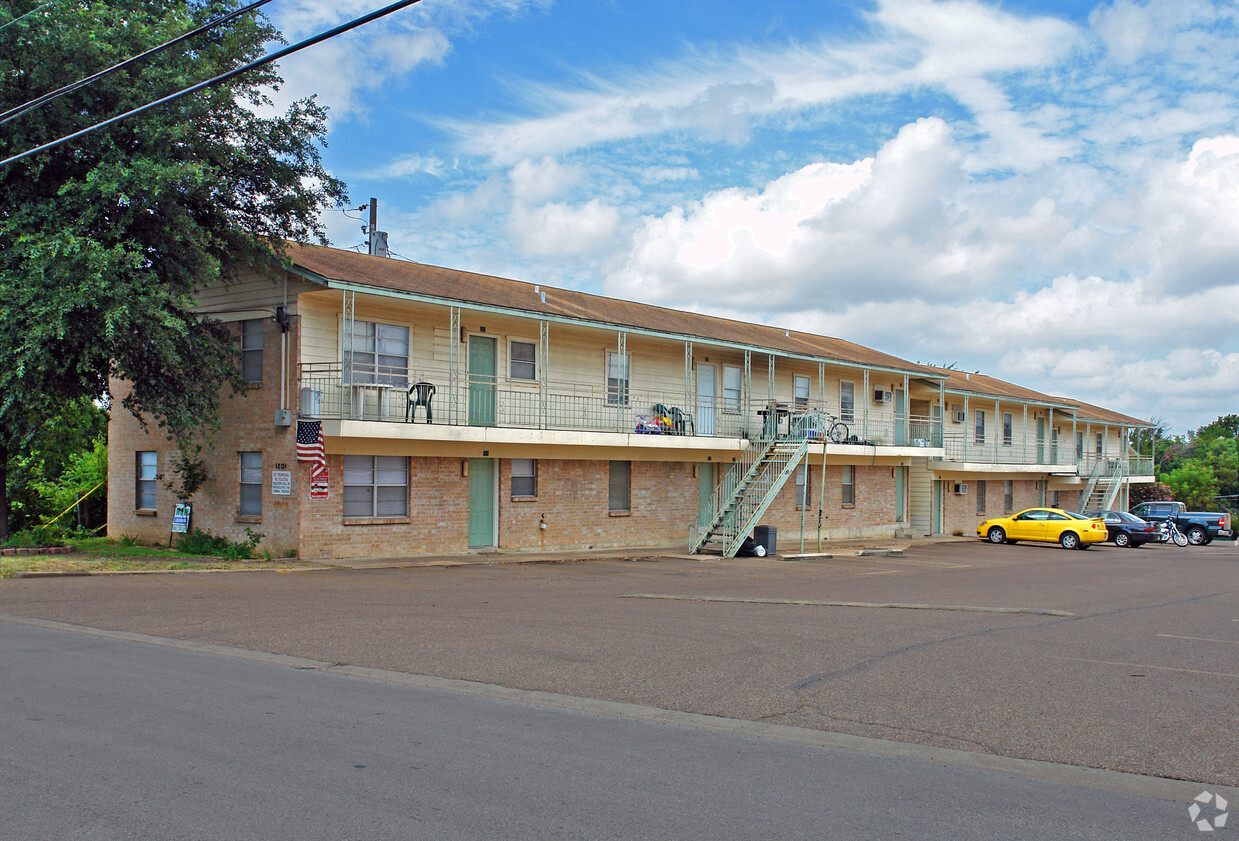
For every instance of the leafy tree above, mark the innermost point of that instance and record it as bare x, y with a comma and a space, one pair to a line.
55, 443
104, 240
1156, 492
1194, 485
85, 475
1223, 427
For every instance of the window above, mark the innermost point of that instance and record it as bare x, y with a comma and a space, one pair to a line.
847, 402
251, 350
376, 486
522, 360
848, 496
144, 496
1008, 429
981, 496
980, 430
251, 485
804, 489
617, 379
1098, 443
1008, 496
380, 353
800, 389
618, 486
1079, 445
731, 388
524, 477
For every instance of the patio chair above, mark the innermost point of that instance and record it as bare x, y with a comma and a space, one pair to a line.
681, 421
420, 394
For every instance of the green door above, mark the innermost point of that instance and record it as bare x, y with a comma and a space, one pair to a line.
937, 513
705, 491
1040, 440
901, 418
482, 381
481, 502
901, 494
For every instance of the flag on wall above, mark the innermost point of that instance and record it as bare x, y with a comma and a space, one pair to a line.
310, 446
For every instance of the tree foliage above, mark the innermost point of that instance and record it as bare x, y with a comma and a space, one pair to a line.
104, 240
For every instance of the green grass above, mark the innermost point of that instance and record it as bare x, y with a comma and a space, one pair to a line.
95, 554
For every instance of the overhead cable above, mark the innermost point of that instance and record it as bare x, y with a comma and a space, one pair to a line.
223, 77
14, 113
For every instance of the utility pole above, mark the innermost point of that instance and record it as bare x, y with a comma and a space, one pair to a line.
377, 238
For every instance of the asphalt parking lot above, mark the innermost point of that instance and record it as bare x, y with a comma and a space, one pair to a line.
1119, 659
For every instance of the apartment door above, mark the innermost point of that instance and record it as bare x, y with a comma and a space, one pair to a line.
937, 502
482, 367
705, 399
1040, 440
901, 494
483, 498
901, 418
705, 491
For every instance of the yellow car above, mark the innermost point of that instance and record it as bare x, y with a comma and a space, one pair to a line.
1052, 525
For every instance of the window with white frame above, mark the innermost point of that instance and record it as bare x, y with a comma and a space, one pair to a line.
732, 388
981, 496
980, 427
619, 487
617, 379
800, 392
251, 485
1008, 496
524, 477
376, 486
1099, 443
522, 360
848, 491
380, 353
1008, 429
251, 350
847, 402
1079, 445
146, 463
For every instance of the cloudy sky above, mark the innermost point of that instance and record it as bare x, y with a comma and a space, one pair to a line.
1047, 192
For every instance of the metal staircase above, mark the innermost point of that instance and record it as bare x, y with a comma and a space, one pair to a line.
1103, 485
745, 492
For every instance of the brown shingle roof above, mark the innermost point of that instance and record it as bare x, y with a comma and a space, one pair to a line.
1087, 411
987, 386
467, 287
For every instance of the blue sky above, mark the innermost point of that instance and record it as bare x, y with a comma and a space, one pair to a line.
1047, 192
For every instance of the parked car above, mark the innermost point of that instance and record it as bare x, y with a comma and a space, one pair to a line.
1127, 529
1052, 525
1201, 527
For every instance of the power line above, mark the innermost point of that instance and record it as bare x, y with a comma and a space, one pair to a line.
14, 113
223, 77
28, 14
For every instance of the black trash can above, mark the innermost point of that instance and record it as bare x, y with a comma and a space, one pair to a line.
766, 536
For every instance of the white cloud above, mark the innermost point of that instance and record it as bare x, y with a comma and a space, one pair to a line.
560, 229
954, 46
537, 181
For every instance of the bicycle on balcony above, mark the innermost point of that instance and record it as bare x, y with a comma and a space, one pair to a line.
819, 425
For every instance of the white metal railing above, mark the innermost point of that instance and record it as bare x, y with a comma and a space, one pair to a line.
378, 393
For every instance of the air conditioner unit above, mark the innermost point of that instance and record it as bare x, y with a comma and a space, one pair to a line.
880, 396
961, 488
959, 416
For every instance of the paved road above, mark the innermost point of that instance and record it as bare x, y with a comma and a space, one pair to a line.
110, 738
1141, 676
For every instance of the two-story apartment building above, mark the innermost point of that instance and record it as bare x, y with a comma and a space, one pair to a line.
461, 412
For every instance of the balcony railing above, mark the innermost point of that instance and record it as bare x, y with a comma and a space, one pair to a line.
375, 393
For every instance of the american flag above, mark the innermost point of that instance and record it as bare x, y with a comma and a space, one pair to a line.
310, 446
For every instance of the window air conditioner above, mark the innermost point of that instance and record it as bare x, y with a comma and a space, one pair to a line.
959, 416
880, 396
961, 488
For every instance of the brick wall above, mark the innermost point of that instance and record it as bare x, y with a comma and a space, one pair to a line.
247, 425
959, 513
872, 515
